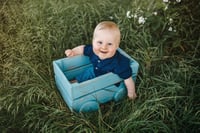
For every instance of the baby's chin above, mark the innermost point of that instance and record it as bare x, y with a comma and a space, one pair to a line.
103, 57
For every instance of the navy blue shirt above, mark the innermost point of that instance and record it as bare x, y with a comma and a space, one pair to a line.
117, 64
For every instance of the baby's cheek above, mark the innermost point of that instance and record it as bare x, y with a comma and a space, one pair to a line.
95, 50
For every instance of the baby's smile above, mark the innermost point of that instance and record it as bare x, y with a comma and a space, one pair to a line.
104, 52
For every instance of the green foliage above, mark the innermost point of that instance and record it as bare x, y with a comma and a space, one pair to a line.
162, 36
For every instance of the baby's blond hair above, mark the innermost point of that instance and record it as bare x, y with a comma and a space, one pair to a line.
110, 26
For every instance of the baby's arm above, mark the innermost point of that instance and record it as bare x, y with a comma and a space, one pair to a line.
75, 51
130, 85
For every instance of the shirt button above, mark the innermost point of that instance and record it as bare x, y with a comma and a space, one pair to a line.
96, 68
99, 61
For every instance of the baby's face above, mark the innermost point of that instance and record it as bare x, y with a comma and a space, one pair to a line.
105, 43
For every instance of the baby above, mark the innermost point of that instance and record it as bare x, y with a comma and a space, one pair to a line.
104, 56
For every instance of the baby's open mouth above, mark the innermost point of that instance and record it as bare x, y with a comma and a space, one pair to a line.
104, 52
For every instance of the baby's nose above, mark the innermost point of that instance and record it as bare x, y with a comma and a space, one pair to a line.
104, 46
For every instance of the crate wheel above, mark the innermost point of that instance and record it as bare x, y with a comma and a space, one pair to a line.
89, 106
119, 94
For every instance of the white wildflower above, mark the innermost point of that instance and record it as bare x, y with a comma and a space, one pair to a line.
170, 20
111, 17
170, 28
165, 1
128, 14
141, 20
155, 13
166, 7
178, 1
135, 16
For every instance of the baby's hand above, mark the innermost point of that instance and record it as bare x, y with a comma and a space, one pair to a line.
69, 53
132, 96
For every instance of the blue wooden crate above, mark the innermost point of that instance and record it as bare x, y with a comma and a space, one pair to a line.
86, 96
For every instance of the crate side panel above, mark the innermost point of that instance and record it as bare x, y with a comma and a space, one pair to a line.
90, 86
74, 62
102, 96
63, 81
64, 93
134, 66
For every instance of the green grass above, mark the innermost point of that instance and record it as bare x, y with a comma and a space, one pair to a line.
33, 33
